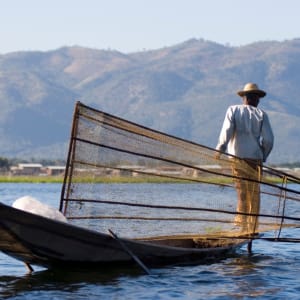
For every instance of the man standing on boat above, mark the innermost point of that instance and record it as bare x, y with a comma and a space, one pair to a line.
247, 134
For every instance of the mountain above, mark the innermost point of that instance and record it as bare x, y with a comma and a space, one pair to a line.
183, 90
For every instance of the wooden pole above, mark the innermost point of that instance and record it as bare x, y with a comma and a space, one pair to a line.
29, 267
128, 251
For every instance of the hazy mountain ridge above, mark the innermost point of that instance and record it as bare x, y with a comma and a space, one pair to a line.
183, 90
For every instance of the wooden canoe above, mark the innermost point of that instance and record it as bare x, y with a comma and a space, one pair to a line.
41, 241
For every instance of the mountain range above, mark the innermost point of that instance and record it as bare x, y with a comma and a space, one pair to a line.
183, 90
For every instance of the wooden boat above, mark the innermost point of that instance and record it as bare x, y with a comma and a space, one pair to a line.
104, 147
41, 241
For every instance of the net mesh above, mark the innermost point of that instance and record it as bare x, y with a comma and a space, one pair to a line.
144, 183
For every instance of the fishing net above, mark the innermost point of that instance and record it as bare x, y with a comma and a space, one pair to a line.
143, 183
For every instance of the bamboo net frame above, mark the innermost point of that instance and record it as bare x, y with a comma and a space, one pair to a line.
110, 159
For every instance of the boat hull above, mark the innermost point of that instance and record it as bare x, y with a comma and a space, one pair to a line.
45, 242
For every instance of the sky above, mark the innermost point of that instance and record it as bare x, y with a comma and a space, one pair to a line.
136, 25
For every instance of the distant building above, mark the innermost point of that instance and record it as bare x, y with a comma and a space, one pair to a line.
55, 170
26, 169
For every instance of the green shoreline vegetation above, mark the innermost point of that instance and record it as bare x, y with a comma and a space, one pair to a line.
30, 179
118, 179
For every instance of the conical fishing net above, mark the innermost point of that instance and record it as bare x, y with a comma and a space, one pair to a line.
143, 183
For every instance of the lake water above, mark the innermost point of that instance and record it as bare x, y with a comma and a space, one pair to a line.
270, 272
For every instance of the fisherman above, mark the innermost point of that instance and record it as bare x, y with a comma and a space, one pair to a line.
247, 134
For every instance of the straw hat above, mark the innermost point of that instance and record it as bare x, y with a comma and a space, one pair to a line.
253, 89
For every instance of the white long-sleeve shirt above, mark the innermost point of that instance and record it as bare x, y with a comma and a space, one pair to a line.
246, 133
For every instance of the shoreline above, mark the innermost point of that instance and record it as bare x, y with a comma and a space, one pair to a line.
149, 179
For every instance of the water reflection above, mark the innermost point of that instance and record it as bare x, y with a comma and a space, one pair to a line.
248, 273
62, 280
